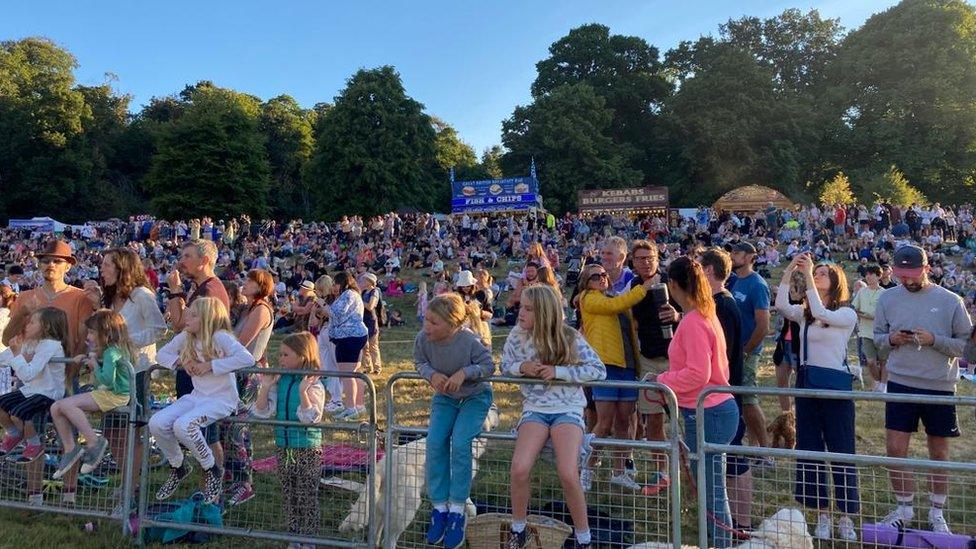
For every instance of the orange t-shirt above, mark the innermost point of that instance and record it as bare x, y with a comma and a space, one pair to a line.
72, 301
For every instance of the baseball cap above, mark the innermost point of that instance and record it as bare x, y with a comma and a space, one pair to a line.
909, 261
744, 247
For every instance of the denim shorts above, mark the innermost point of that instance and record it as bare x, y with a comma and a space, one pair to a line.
616, 394
552, 420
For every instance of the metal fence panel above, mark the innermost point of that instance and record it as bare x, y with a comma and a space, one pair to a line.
347, 470
106, 493
837, 484
618, 517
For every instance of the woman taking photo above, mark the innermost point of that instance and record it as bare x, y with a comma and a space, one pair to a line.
609, 328
825, 328
698, 360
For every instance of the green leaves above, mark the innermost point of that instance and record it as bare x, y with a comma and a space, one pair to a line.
375, 151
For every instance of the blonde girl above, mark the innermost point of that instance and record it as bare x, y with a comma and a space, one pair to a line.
296, 398
474, 322
208, 351
542, 346
455, 362
29, 356
111, 354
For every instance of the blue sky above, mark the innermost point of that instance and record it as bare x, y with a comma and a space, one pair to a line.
469, 62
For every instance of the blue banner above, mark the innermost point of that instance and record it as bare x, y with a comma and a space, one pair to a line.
487, 195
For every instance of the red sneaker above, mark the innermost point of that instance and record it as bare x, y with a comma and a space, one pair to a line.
8, 443
661, 481
31, 452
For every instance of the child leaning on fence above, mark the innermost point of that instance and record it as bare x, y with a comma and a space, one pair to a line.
542, 346
111, 351
210, 353
30, 357
301, 399
455, 362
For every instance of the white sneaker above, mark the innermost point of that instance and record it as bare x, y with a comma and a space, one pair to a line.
334, 407
586, 478
625, 481
845, 529
898, 519
881, 387
824, 529
938, 523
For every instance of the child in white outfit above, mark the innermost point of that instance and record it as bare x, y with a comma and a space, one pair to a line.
209, 352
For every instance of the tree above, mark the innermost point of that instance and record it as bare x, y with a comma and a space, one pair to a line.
727, 126
212, 159
287, 129
796, 47
375, 150
892, 187
491, 161
905, 84
837, 191
625, 71
568, 133
40, 113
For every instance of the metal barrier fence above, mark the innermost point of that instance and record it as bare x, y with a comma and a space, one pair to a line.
349, 456
857, 484
106, 493
618, 516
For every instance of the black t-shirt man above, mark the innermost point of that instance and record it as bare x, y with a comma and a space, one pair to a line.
727, 312
646, 314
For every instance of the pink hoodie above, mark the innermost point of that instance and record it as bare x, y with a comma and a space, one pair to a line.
698, 360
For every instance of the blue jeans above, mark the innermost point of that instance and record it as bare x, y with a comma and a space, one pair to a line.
721, 423
454, 422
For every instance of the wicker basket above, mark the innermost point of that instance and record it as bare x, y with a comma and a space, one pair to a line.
492, 530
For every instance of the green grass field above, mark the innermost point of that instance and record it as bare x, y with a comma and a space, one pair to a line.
773, 489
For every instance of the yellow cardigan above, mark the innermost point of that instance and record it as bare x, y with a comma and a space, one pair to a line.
602, 328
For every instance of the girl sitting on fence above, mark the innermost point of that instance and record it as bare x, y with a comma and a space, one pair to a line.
296, 398
29, 356
543, 346
455, 362
111, 351
209, 352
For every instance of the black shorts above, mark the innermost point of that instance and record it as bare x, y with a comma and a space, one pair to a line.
939, 419
349, 349
23, 407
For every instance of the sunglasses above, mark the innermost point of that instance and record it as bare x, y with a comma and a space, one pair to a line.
597, 276
49, 260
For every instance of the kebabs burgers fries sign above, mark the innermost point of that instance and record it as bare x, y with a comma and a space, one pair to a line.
633, 201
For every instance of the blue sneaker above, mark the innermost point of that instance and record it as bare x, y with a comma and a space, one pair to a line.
454, 537
438, 524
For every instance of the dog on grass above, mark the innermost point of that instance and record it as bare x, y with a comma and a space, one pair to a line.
409, 479
783, 431
787, 529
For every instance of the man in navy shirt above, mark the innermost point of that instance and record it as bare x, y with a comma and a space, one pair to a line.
751, 293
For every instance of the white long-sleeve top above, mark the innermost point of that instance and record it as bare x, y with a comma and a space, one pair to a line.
545, 398
220, 382
828, 334
146, 325
312, 414
39, 374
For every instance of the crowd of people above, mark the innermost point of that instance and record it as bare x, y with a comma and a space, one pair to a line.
685, 303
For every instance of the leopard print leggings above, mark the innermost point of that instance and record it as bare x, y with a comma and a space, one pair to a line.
299, 472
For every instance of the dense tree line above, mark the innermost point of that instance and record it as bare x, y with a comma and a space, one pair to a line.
794, 101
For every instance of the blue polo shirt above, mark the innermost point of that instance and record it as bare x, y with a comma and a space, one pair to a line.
750, 293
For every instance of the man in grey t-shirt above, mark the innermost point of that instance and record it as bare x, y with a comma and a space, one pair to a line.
923, 328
